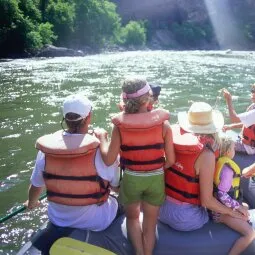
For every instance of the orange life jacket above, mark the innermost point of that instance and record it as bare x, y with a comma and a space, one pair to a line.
181, 180
142, 142
70, 174
248, 133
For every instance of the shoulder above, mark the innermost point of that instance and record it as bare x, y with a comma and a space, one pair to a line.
206, 160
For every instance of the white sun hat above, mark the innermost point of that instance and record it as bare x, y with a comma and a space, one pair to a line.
78, 104
201, 119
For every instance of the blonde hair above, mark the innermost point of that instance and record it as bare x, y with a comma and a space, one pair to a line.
253, 86
225, 144
129, 86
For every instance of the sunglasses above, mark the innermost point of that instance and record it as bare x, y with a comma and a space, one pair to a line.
253, 91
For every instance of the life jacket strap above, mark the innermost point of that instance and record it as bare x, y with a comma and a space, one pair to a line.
156, 146
69, 178
94, 178
181, 192
96, 195
127, 162
185, 176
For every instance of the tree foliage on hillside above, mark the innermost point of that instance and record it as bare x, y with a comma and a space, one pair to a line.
27, 25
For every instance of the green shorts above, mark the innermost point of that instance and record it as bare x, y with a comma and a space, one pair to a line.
150, 189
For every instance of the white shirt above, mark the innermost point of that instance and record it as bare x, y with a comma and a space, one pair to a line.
92, 217
248, 119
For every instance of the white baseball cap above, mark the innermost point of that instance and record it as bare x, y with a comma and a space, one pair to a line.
77, 104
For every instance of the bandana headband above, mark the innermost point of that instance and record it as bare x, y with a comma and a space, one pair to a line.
138, 93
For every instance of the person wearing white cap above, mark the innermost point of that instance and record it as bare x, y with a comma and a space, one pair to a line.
70, 166
189, 182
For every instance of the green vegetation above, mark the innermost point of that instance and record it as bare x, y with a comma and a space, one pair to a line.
190, 34
27, 25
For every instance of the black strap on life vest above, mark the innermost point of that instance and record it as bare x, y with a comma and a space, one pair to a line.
127, 162
185, 176
183, 193
96, 178
156, 146
96, 195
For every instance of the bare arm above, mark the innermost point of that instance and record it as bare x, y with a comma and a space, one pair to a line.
206, 165
249, 171
33, 196
231, 110
232, 126
169, 146
109, 152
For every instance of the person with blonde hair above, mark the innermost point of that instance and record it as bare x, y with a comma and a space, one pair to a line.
246, 121
227, 182
189, 182
144, 140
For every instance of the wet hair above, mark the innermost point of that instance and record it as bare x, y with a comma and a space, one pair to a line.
129, 86
73, 121
225, 144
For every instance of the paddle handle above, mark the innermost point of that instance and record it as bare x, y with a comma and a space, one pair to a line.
19, 210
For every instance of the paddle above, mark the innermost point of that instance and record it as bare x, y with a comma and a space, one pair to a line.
20, 209
69, 246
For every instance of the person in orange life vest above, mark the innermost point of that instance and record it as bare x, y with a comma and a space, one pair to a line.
155, 92
189, 182
246, 121
227, 191
144, 140
77, 181
249, 171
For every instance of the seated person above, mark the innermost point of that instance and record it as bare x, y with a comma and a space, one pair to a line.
189, 182
246, 121
70, 166
227, 191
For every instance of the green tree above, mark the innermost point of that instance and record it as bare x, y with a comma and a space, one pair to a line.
46, 33
134, 33
188, 34
61, 14
96, 22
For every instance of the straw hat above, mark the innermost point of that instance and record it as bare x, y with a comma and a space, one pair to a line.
201, 119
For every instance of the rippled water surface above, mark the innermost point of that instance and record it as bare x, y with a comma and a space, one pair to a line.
33, 90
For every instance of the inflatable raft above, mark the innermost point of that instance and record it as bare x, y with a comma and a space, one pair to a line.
212, 239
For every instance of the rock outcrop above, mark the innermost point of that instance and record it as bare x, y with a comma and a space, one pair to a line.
53, 51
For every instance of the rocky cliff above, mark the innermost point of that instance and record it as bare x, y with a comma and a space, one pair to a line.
229, 18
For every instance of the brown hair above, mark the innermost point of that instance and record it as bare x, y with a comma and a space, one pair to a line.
73, 122
129, 86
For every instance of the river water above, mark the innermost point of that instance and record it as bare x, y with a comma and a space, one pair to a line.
32, 92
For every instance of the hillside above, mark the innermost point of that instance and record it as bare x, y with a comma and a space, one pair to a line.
233, 21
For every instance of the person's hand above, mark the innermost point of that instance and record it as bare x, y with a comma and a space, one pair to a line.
243, 210
248, 171
226, 127
101, 133
227, 95
31, 204
238, 215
